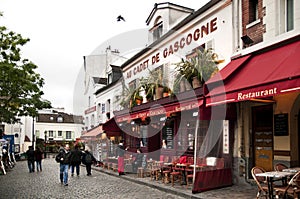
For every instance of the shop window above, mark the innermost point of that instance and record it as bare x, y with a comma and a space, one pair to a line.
168, 134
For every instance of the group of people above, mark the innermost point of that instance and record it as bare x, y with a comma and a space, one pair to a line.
34, 156
72, 159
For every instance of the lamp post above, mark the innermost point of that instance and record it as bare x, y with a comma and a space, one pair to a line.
33, 132
45, 153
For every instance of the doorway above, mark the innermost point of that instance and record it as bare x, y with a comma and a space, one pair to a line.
262, 125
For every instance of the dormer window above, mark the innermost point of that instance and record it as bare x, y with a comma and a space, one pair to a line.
157, 29
60, 119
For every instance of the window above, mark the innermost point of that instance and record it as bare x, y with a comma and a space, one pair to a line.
68, 135
157, 32
50, 134
103, 108
157, 29
92, 121
59, 133
60, 118
289, 15
109, 78
108, 105
286, 16
253, 10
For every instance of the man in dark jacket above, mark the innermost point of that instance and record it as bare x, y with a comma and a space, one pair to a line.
76, 155
88, 159
64, 156
30, 159
138, 161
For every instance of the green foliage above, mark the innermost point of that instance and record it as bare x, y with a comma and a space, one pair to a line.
20, 85
203, 65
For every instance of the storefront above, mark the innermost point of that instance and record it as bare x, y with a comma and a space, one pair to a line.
265, 88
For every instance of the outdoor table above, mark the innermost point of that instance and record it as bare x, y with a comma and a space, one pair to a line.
292, 170
271, 176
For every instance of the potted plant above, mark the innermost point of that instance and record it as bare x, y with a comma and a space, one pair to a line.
195, 70
154, 83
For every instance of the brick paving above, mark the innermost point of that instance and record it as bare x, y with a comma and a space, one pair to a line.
19, 183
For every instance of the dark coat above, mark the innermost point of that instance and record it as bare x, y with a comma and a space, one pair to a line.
30, 154
76, 156
139, 159
65, 156
120, 151
38, 154
84, 155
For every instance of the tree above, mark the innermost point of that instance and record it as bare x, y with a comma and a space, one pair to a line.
20, 85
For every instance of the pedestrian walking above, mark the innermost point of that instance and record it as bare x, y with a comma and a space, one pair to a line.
88, 159
30, 159
75, 160
63, 158
38, 154
120, 153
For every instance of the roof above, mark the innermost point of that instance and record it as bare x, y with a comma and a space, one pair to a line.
53, 118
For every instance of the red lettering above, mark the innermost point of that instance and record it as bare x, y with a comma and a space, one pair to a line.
170, 50
204, 29
189, 39
165, 53
134, 70
182, 44
176, 46
196, 34
213, 25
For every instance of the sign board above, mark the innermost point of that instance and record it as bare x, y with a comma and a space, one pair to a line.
281, 124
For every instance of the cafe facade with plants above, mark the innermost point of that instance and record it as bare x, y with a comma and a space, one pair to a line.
244, 107
164, 111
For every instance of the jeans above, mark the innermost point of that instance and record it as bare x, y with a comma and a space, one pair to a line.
30, 165
64, 173
39, 165
73, 168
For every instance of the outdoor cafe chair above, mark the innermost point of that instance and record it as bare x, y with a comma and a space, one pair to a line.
261, 182
280, 167
292, 189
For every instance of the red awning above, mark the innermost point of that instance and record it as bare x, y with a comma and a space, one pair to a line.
92, 134
111, 128
257, 76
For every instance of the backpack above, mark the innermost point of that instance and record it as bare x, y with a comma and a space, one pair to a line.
88, 158
57, 158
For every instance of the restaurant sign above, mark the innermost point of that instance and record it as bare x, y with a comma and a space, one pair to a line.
160, 111
180, 43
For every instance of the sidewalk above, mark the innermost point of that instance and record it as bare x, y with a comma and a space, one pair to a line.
246, 191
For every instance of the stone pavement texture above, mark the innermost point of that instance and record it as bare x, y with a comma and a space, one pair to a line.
245, 191
19, 183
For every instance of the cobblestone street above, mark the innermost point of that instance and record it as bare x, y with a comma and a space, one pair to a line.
19, 183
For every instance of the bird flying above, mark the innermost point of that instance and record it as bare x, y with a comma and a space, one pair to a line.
119, 18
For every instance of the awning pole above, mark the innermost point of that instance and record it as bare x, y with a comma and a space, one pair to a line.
195, 149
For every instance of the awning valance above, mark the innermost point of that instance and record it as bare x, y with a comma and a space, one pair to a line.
255, 76
93, 133
161, 110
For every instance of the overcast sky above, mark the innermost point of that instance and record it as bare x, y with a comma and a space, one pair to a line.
61, 32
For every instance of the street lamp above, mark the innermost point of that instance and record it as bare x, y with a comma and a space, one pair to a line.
33, 132
45, 153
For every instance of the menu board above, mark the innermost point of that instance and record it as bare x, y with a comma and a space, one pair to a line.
281, 124
169, 137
